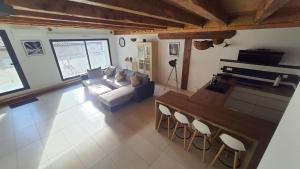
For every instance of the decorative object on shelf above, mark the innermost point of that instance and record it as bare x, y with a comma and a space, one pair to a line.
33, 47
226, 45
174, 49
218, 41
203, 45
144, 40
133, 39
130, 59
122, 42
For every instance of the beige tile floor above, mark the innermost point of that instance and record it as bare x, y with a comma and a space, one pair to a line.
65, 130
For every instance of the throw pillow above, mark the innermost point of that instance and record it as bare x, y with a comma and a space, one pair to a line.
119, 76
135, 81
109, 72
94, 73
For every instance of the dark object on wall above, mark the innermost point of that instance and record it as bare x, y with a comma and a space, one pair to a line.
144, 40
133, 39
263, 57
218, 41
122, 42
203, 45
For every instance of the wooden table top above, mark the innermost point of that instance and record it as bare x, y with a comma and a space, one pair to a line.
211, 110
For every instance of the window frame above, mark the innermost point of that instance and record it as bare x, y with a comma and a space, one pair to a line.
87, 53
15, 62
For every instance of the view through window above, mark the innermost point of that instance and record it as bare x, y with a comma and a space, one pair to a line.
10, 80
74, 57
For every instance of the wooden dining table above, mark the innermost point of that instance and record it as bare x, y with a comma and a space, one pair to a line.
208, 106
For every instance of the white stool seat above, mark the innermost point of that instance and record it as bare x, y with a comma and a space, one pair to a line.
181, 118
201, 127
233, 143
164, 110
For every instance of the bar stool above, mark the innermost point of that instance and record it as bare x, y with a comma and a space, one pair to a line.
164, 112
236, 145
181, 120
204, 130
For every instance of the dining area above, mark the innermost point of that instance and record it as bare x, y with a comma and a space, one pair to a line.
201, 122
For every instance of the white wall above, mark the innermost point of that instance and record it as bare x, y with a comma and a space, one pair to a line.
42, 71
283, 150
205, 63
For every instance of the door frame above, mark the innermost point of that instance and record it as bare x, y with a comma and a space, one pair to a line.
15, 62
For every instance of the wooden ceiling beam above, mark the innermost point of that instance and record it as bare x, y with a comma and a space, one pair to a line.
150, 8
87, 11
60, 23
267, 8
198, 35
210, 10
41, 15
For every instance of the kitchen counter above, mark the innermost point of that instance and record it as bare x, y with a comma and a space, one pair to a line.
208, 106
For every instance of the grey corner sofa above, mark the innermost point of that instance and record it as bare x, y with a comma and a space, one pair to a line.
113, 94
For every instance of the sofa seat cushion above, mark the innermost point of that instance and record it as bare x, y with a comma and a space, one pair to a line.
114, 83
90, 82
96, 90
117, 96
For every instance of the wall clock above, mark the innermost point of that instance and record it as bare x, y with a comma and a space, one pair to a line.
122, 42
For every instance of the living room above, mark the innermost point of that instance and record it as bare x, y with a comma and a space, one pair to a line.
77, 94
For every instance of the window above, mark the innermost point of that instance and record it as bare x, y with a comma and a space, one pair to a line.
74, 57
12, 78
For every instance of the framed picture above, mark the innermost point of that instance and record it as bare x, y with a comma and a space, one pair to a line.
33, 47
174, 49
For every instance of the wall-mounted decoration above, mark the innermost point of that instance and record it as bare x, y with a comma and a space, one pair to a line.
203, 45
133, 39
174, 49
122, 42
33, 47
218, 41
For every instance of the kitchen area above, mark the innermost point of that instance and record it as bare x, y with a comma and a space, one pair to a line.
246, 98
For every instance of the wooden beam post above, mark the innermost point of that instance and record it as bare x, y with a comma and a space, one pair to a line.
186, 63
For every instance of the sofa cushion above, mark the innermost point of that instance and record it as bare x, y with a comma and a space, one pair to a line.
95, 73
90, 82
117, 96
115, 84
110, 71
135, 80
143, 78
99, 89
120, 76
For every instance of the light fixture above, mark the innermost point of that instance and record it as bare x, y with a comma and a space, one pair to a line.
5, 10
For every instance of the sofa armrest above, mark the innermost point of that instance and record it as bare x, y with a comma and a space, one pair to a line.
144, 91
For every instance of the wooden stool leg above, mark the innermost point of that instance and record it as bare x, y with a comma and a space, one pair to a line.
161, 117
217, 155
168, 126
174, 131
235, 159
184, 136
204, 147
191, 142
